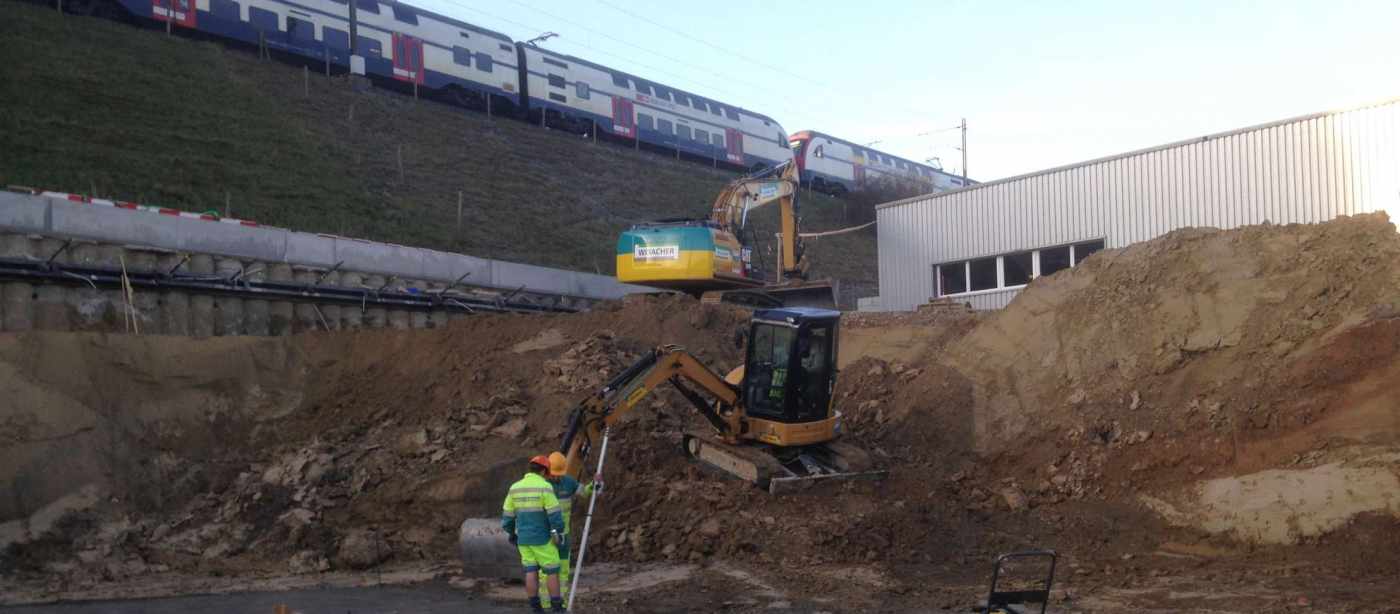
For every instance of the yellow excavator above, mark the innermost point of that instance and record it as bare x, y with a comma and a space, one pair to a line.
714, 258
772, 421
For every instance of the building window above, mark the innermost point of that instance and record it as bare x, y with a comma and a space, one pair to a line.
462, 56
646, 122
982, 274
1016, 269
483, 62
619, 80
1054, 260
554, 62
557, 97
683, 132
1085, 249
702, 136
664, 126
556, 81
404, 14
581, 90
952, 278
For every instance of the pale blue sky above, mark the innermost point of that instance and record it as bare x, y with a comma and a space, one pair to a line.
1040, 83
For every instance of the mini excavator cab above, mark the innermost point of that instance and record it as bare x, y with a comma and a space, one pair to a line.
790, 368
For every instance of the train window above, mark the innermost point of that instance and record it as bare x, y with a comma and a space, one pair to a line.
462, 56
335, 39
663, 126
465, 35
683, 132
368, 6
368, 47
644, 88
405, 14
718, 140
699, 104
716, 109
262, 19
505, 47
225, 9
556, 81
554, 62
682, 99
818, 152
301, 29
731, 114
646, 121
484, 62
619, 80
557, 97
581, 90
702, 136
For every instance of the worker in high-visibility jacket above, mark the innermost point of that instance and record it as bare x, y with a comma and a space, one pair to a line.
532, 518
565, 489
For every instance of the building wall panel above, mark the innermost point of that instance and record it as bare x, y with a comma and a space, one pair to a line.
1308, 169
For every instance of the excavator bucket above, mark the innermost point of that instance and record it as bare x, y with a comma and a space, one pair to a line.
485, 550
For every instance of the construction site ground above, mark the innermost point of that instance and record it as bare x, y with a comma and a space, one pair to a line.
1206, 422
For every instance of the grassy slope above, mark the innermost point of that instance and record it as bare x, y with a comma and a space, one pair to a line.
135, 114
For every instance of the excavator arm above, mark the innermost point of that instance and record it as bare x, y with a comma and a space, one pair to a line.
778, 184
620, 395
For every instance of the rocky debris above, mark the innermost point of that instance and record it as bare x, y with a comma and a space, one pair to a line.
362, 549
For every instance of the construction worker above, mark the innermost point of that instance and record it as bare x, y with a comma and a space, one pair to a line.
565, 488
534, 522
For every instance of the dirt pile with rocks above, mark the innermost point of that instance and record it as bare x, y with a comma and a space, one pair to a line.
1178, 396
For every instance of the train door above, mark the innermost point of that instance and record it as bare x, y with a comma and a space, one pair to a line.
408, 58
624, 120
181, 12
734, 145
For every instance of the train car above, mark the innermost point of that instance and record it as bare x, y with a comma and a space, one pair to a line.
571, 90
836, 166
397, 41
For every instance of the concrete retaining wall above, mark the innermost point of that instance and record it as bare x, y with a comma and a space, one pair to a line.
34, 228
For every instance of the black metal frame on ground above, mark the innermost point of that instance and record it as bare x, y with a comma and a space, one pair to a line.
1003, 600
517, 301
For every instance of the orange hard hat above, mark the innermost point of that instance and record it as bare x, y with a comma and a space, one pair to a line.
541, 460
558, 464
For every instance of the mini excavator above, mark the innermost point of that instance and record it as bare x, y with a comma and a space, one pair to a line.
771, 420
713, 258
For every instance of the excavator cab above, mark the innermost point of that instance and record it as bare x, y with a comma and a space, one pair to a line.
790, 368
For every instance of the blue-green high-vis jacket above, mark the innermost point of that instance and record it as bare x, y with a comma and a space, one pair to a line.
531, 511
565, 488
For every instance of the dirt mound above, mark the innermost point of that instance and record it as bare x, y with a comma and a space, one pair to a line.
1148, 371
1173, 398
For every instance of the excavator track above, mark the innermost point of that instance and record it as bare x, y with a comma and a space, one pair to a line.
753, 465
757, 466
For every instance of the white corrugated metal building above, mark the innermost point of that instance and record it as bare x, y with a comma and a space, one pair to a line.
982, 244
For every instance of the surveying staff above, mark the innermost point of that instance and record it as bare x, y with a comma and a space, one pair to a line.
565, 488
535, 524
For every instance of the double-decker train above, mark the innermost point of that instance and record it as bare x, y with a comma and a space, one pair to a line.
394, 41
